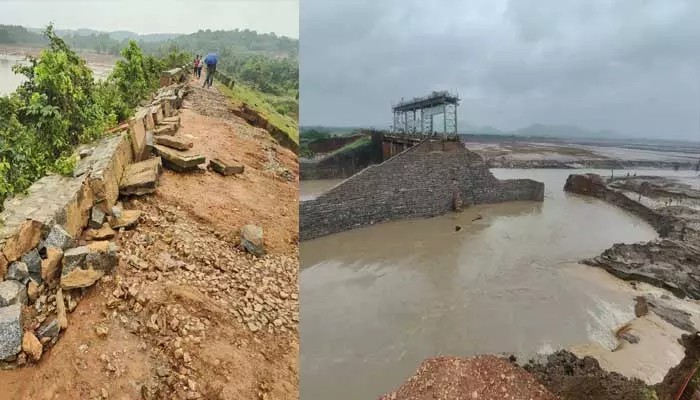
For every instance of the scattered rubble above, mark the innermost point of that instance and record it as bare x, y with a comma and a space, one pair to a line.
482, 377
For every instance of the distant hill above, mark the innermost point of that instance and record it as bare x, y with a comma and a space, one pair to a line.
147, 38
534, 130
335, 130
565, 131
482, 130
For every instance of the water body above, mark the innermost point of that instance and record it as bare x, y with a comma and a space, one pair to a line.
377, 301
9, 81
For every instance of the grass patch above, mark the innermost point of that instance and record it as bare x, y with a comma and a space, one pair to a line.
267, 105
363, 141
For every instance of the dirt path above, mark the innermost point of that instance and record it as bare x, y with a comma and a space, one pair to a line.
186, 314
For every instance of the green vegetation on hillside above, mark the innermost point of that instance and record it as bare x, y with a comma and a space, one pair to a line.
264, 104
60, 106
360, 142
266, 62
11, 34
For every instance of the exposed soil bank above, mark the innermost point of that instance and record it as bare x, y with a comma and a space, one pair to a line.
670, 262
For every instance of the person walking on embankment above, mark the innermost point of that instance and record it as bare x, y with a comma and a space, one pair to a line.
210, 60
198, 66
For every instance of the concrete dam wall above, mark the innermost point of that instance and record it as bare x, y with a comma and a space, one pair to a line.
421, 182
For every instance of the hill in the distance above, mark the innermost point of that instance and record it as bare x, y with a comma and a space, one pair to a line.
534, 130
565, 131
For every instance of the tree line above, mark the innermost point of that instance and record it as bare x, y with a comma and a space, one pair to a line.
267, 62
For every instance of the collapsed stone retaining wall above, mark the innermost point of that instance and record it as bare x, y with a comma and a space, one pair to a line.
421, 182
42, 268
175, 75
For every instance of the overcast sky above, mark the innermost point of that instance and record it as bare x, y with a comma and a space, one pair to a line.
628, 65
156, 16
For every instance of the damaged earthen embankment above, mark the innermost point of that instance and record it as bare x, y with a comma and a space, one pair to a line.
46, 263
669, 262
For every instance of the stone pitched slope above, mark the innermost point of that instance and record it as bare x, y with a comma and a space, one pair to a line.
423, 181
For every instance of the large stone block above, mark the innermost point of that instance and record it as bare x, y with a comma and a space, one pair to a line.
157, 113
104, 169
165, 129
226, 168
141, 178
12, 292
33, 261
137, 130
51, 266
51, 200
145, 115
177, 160
58, 238
84, 265
11, 331
18, 271
26, 237
252, 239
175, 142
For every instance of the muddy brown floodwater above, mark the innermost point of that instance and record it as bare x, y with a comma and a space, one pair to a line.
9, 81
379, 300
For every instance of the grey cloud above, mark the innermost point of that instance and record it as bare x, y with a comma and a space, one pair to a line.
627, 65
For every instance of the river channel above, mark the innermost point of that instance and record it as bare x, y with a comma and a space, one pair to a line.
377, 301
9, 81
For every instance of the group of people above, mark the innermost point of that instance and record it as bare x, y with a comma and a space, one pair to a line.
210, 61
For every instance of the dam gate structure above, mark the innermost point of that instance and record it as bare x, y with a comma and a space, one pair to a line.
415, 117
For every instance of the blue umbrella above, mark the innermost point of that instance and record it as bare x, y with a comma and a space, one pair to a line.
211, 58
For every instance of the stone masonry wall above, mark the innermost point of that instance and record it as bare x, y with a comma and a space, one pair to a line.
418, 183
42, 269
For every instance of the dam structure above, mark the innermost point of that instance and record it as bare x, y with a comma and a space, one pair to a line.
420, 173
425, 180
